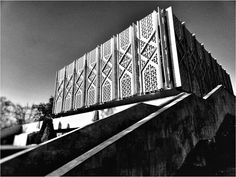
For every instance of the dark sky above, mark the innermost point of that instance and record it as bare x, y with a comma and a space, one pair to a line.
39, 38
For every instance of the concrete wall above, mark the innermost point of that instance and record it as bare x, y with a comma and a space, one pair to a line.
160, 146
56, 152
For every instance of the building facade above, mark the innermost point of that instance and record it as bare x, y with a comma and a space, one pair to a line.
156, 53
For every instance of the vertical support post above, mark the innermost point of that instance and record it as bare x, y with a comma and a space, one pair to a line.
84, 104
98, 58
87, 83
55, 93
136, 84
173, 49
163, 48
117, 68
141, 90
114, 69
73, 88
63, 97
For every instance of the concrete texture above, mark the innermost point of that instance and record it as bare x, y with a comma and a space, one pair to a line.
215, 156
7, 150
160, 146
51, 155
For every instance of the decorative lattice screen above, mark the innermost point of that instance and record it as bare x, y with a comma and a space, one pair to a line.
125, 62
158, 52
107, 70
68, 93
92, 72
79, 85
149, 54
59, 91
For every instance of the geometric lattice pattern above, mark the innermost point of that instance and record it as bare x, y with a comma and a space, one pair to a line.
69, 79
59, 91
125, 63
106, 70
92, 77
79, 85
150, 64
158, 52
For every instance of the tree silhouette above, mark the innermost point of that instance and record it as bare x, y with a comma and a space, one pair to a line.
44, 109
12, 114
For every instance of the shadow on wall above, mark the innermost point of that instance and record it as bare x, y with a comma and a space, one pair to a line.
214, 156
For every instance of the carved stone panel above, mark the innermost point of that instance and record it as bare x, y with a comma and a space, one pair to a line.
79, 83
92, 77
59, 91
108, 71
68, 93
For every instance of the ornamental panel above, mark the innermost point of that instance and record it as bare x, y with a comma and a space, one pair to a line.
68, 93
59, 91
149, 53
79, 84
125, 62
108, 73
92, 77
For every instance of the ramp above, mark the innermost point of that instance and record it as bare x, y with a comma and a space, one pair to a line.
143, 140
158, 143
47, 157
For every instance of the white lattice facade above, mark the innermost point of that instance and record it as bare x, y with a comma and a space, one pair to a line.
135, 61
68, 92
92, 77
59, 93
108, 73
149, 54
155, 53
79, 83
125, 62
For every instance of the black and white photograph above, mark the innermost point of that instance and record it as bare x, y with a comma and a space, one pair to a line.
117, 88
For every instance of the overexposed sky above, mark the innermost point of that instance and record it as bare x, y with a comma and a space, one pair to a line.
39, 38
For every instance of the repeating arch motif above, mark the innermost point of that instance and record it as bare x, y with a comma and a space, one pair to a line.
68, 87
59, 91
79, 85
92, 77
149, 53
107, 70
125, 63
